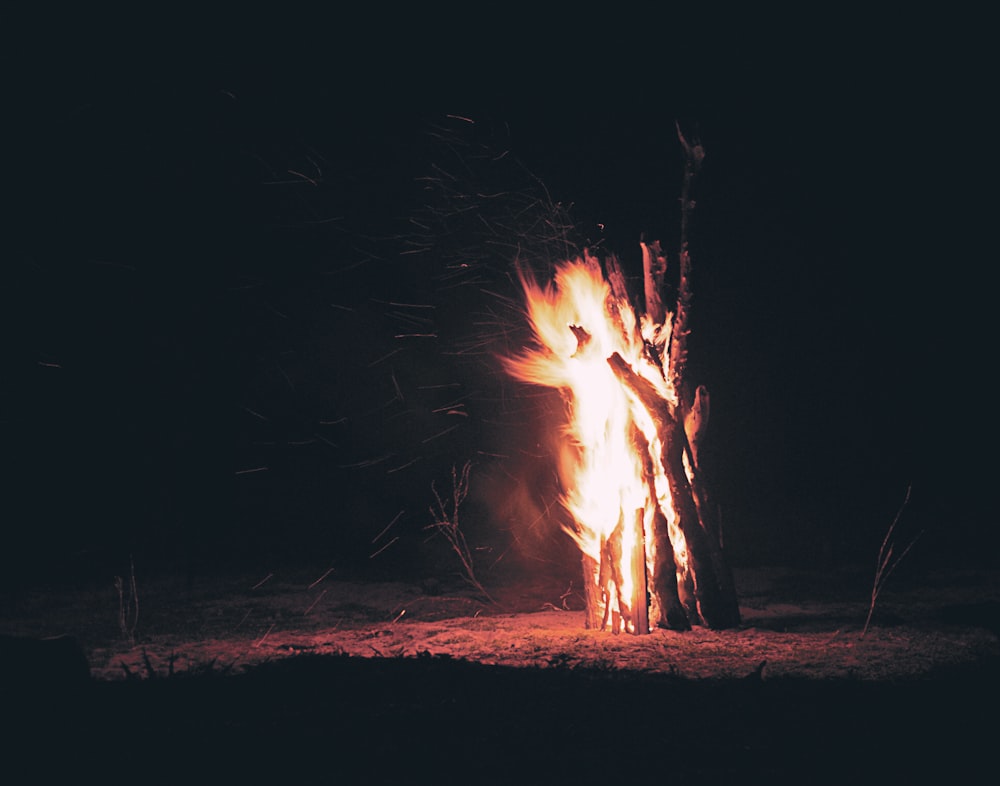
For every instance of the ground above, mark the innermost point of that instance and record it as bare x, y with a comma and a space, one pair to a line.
386, 680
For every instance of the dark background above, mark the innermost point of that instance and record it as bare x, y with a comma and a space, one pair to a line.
256, 310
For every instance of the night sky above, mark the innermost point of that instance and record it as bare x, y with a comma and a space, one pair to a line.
256, 314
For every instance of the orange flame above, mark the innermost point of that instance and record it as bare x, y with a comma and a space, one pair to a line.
608, 472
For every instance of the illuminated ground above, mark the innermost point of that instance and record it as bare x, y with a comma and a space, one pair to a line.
392, 679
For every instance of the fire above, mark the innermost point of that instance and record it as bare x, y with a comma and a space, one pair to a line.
613, 479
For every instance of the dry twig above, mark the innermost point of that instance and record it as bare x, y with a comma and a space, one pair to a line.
128, 605
445, 520
885, 564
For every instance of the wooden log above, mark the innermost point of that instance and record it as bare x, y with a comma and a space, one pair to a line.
664, 585
674, 595
605, 583
717, 604
680, 329
654, 268
640, 592
696, 422
708, 517
591, 593
611, 560
615, 277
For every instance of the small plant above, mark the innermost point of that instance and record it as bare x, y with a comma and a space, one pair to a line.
445, 520
128, 604
886, 563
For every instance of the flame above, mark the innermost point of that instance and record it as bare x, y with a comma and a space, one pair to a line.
610, 469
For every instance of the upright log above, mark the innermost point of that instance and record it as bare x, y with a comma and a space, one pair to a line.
672, 598
693, 156
591, 593
654, 268
640, 592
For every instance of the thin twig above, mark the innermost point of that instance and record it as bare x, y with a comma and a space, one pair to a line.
313, 604
128, 605
885, 564
445, 521
328, 572
261, 639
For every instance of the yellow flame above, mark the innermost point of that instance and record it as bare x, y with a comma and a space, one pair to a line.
578, 324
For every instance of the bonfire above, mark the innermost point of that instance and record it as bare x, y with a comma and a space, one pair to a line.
629, 467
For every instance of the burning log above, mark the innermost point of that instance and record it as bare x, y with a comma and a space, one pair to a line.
640, 591
654, 268
606, 598
593, 602
610, 579
673, 588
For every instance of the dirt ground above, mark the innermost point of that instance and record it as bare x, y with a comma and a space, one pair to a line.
394, 679
799, 624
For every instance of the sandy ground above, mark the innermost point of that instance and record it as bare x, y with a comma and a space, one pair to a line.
797, 624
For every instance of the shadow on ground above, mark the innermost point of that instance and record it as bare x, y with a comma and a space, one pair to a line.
375, 720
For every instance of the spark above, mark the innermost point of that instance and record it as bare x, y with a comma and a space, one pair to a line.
410, 305
450, 407
313, 604
439, 434
477, 348
321, 438
443, 172
367, 462
288, 379
263, 581
375, 554
250, 471
304, 177
245, 618
404, 466
384, 357
394, 520
261, 639
328, 572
